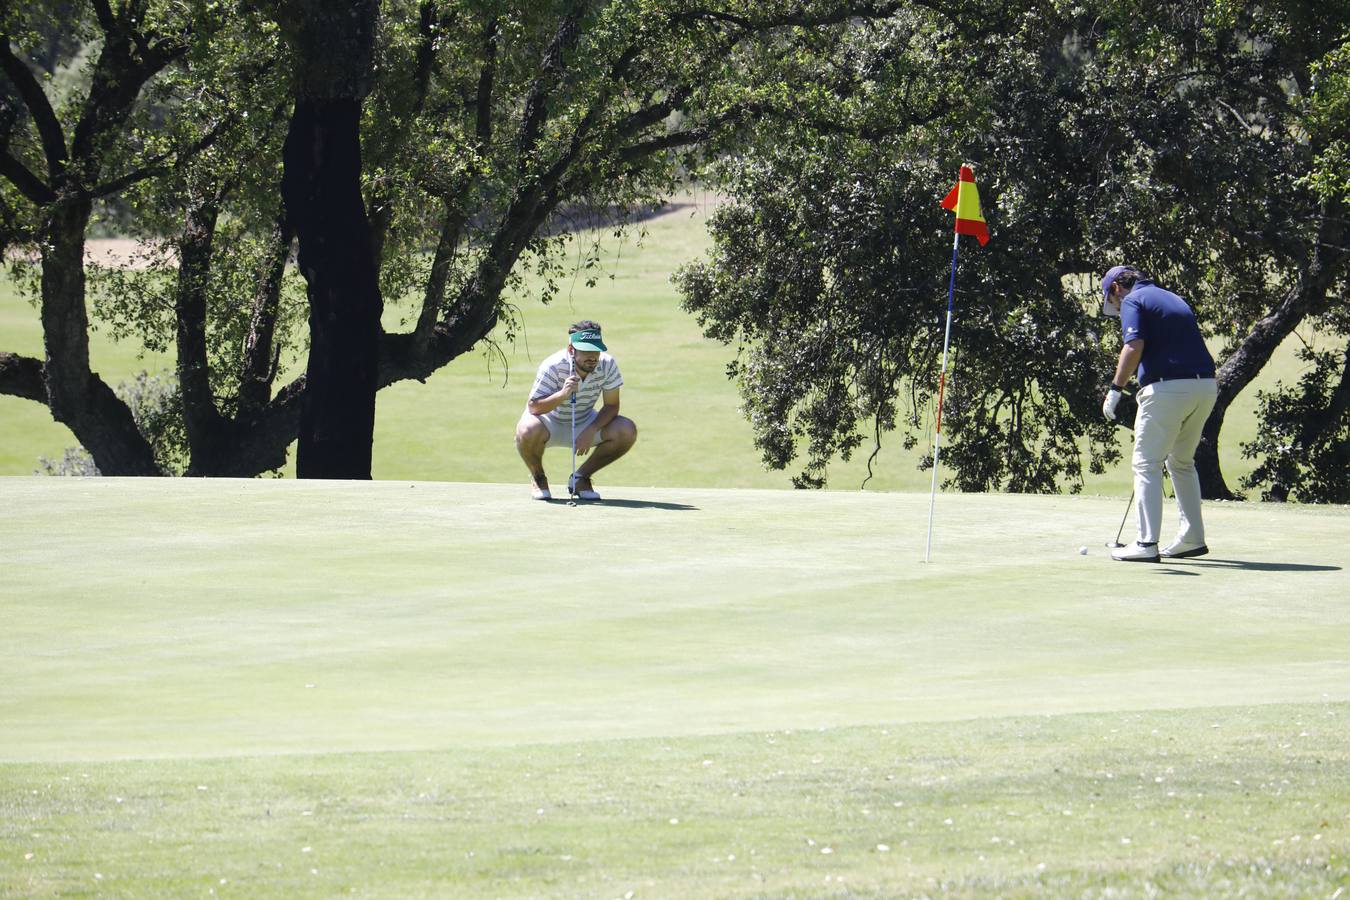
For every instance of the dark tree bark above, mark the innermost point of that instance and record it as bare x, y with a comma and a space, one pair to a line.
77, 396
21, 376
260, 351
321, 188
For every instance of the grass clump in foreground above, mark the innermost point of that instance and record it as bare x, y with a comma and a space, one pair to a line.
1234, 801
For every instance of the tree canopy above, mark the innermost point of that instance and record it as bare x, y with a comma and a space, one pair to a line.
1174, 136
1201, 140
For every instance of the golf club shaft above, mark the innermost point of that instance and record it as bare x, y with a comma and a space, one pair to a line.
572, 482
1128, 506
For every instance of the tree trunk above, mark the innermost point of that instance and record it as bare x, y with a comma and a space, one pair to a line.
202, 420
1306, 296
322, 190
260, 353
77, 396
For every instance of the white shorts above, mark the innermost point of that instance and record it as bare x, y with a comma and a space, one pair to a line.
560, 434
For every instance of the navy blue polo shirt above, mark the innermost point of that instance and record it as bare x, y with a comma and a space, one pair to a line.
1173, 345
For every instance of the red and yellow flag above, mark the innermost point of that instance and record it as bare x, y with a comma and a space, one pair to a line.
964, 200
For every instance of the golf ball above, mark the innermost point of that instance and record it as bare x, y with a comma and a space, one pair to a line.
1082, 551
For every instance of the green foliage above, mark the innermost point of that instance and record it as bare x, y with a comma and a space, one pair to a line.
1182, 136
1329, 122
1304, 439
1178, 144
831, 275
838, 306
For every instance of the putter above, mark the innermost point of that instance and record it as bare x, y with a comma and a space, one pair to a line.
572, 482
1121, 529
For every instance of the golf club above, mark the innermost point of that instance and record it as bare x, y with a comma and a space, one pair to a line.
572, 482
1121, 529
1125, 413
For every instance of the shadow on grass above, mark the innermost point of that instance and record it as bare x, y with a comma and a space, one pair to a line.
1244, 565
636, 504
1247, 566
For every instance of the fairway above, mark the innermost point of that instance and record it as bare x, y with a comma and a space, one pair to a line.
364, 660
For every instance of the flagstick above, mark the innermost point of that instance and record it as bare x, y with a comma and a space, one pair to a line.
942, 386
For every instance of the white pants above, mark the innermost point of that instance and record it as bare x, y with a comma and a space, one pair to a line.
1167, 430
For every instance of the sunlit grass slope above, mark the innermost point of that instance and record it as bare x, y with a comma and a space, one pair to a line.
458, 426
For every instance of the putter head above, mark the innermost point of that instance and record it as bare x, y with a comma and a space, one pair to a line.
1114, 544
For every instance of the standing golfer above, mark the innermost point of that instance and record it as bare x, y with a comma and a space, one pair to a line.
585, 371
1176, 394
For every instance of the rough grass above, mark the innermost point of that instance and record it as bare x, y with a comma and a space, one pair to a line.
1236, 801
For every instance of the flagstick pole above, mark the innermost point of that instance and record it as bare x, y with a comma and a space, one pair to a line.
942, 386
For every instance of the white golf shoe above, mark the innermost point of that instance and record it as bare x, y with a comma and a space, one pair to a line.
539, 489
582, 493
1136, 552
1180, 549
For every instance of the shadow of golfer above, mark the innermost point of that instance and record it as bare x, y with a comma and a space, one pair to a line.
1260, 566
633, 504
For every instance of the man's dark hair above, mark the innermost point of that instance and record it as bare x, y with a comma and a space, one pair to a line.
1128, 278
584, 325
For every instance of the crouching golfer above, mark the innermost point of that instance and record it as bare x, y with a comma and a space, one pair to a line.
585, 371
1177, 391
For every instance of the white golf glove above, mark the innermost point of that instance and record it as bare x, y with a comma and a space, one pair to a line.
1110, 403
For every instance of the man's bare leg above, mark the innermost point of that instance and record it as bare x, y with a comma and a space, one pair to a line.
531, 439
616, 439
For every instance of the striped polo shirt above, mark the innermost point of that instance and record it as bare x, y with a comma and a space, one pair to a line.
554, 370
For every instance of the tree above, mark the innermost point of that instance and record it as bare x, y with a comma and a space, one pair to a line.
157, 122
485, 122
1304, 439
57, 163
333, 48
831, 269
1231, 173
1180, 147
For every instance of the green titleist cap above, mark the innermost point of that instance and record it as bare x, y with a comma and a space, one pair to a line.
588, 340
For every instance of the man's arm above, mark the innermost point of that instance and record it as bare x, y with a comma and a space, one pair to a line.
608, 411
539, 406
1130, 355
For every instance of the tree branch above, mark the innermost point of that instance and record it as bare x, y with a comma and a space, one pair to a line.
200, 415
39, 107
260, 352
486, 77
845, 12
28, 184
119, 74
550, 74
152, 168
21, 376
106, 19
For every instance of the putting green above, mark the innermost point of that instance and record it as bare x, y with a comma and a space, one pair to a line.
191, 618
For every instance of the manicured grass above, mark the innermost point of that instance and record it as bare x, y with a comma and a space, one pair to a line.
281, 688
459, 425
1238, 801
